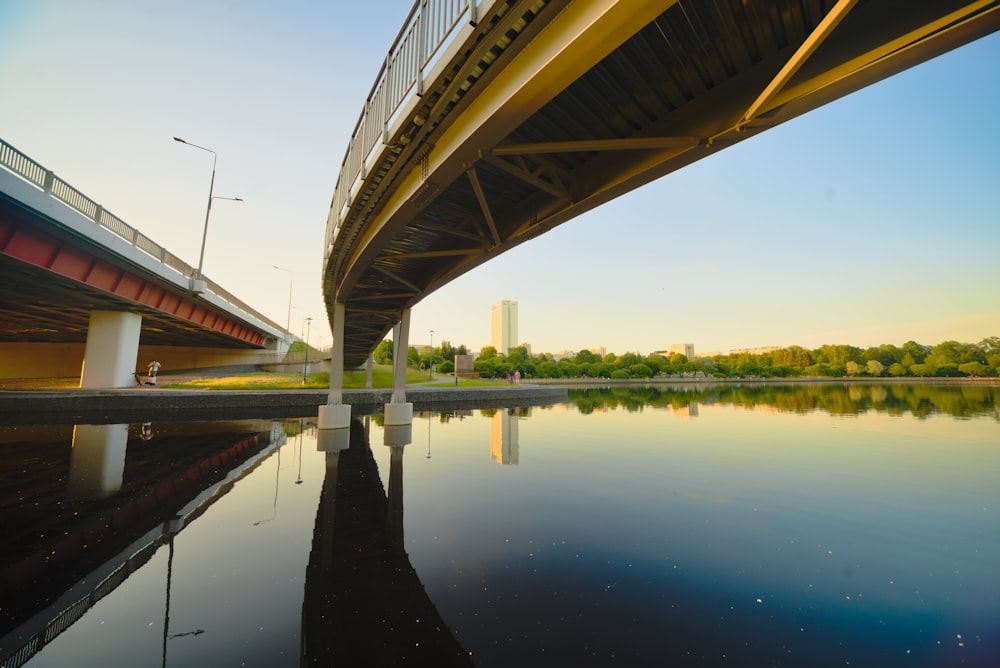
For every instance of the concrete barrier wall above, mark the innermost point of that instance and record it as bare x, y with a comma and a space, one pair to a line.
65, 360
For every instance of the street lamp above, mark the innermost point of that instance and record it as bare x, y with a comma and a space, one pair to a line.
208, 210
288, 322
306, 362
430, 358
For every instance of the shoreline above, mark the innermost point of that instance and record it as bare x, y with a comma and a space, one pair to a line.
146, 404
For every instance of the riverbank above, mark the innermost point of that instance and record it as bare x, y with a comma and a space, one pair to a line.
145, 404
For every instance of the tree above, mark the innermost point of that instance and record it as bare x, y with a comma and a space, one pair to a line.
640, 371
916, 351
383, 352
412, 356
547, 370
897, 370
487, 352
585, 357
447, 351
875, 368
972, 369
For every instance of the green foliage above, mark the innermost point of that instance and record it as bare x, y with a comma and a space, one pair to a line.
875, 367
383, 352
547, 370
947, 359
640, 371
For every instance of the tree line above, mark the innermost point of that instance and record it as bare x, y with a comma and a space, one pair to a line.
944, 360
916, 399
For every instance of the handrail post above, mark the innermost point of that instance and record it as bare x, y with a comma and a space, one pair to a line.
50, 177
98, 210
421, 20
473, 21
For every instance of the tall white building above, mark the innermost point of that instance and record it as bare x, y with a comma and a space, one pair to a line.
504, 330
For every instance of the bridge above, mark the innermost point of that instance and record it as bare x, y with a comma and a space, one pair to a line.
492, 122
81, 285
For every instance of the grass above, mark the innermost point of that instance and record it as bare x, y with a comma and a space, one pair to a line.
266, 380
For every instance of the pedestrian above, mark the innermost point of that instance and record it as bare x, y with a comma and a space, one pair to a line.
153, 367
517, 377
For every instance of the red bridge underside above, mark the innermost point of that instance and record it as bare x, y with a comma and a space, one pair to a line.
52, 254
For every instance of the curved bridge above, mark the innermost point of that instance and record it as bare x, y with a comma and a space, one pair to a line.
492, 122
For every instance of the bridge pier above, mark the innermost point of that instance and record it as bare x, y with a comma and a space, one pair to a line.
111, 351
398, 412
336, 414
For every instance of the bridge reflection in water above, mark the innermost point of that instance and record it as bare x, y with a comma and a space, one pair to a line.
364, 603
81, 521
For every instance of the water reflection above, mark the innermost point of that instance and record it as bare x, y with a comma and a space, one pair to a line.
919, 400
83, 521
614, 533
364, 603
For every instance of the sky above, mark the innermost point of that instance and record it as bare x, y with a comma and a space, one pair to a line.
875, 219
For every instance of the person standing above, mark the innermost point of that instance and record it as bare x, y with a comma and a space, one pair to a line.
153, 367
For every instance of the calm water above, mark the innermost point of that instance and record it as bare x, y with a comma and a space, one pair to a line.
805, 526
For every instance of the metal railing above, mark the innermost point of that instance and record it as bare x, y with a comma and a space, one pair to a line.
45, 180
427, 28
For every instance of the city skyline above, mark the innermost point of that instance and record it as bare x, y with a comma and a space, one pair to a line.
872, 220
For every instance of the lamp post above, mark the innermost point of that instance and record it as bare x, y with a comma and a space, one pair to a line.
305, 364
288, 322
208, 210
430, 358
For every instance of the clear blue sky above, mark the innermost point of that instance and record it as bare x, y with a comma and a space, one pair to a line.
873, 220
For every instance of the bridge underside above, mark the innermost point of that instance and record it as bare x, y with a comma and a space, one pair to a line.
554, 108
51, 286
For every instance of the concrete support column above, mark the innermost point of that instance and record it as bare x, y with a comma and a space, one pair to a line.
112, 348
336, 414
368, 368
398, 411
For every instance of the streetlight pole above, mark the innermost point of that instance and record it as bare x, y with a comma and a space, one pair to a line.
305, 364
430, 358
288, 322
208, 210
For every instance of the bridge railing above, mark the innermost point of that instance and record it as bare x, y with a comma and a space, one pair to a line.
427, 28
45, 180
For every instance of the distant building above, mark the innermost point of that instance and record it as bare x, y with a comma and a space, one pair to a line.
464, 366
686, 349
504, 330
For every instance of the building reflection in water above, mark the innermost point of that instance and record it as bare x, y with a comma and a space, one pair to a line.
504, 441
364, 603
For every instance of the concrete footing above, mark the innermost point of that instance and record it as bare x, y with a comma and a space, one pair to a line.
398, 414
334, 416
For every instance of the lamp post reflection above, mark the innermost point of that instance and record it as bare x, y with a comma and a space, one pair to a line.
277, 474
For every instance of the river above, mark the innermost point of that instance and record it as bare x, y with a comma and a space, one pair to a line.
807, 525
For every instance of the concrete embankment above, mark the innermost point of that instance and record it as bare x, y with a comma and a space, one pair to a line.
74, 406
